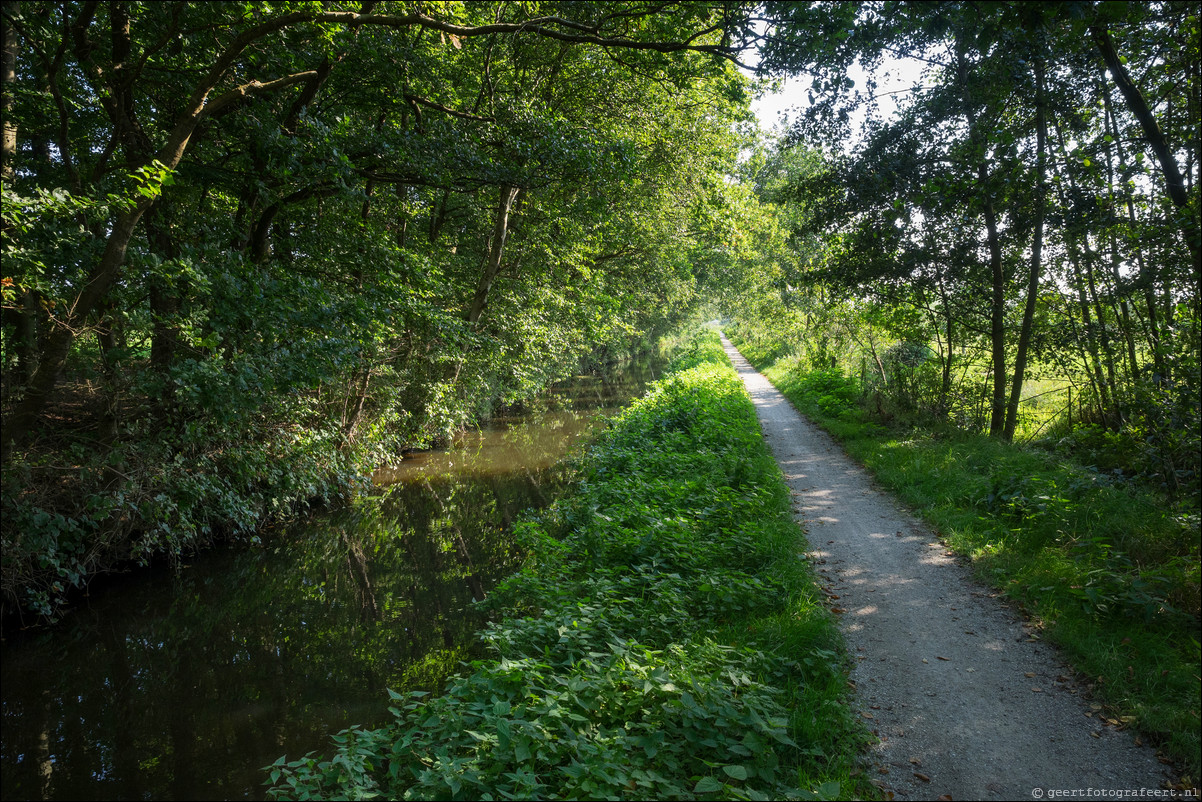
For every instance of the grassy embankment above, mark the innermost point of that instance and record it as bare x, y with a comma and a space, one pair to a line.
664, 641
1106, 568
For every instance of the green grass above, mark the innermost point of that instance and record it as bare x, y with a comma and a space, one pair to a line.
664, 641
1108, 570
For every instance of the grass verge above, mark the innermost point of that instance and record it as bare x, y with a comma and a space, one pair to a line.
1108, 570
664, 641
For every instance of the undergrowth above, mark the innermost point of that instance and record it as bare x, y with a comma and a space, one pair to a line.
664, 641
1107, 568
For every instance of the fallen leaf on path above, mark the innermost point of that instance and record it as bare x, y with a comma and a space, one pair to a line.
916, 761
1029, 674
937, 657
1095, 734
838, 610
922, 777
944, 798
924, 659
866, 714
1037, 690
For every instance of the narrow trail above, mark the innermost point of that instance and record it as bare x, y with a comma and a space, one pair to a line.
966, 702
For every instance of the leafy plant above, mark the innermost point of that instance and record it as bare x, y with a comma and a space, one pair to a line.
662, 642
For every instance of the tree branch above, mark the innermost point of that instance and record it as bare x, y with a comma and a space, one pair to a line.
255, 88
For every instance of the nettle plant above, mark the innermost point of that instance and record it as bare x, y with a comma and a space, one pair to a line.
612, 672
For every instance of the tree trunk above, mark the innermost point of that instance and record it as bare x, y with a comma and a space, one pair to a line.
506, 195
58, 345
945, 387
8, 80
354, 411
164, 299
1174, 184
1123, 311
1033, 275
1091, 337
1146, 278
997, 300
1103, 333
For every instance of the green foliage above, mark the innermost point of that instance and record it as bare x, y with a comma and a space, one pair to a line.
296, 300
833, 393
1007, 210
662, 642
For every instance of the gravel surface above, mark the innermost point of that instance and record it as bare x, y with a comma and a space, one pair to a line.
966, 701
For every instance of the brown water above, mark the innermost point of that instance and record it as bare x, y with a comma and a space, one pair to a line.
184, 684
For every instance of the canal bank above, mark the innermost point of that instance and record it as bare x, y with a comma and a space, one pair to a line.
665, 640
184, 684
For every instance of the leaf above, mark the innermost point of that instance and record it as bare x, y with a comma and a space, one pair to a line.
830, 790
707, 785
738, 772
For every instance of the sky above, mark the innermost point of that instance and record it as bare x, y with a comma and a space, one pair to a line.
903, 74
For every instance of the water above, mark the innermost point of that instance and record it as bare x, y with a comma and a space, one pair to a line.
184, 684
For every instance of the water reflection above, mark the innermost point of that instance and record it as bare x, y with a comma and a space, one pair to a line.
182, 685
532, 440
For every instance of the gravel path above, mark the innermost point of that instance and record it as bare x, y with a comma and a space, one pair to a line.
966, 702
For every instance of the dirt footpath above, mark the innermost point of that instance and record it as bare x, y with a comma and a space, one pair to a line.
967, 705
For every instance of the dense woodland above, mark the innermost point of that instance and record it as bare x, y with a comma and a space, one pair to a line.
1031, 211
253, 250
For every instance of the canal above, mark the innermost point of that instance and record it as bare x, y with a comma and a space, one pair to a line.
183, 683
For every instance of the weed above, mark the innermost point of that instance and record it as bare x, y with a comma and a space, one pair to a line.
663, 641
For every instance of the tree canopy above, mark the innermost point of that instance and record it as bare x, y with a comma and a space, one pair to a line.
1035, 196
336, 230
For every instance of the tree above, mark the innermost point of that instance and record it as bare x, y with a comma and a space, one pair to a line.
286, 241
977, 135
